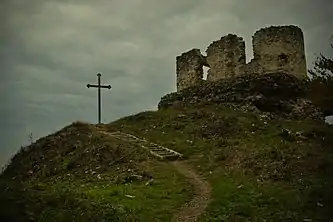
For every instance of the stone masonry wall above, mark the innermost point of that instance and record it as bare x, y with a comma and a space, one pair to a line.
275, 49
279, 49
189, 67
226, 57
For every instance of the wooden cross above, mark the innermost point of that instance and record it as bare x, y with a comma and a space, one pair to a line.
99, 86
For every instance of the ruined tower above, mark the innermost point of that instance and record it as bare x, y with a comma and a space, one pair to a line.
275, 49
279, 49
189, 67
226, 57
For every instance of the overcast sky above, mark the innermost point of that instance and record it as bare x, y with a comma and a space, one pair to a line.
50, 50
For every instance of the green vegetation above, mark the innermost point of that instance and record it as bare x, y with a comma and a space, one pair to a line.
89, 177
95, 201
321, 92
260, 169
323, 67
265, 156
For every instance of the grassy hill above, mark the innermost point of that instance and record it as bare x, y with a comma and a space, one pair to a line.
78, 174
260, 142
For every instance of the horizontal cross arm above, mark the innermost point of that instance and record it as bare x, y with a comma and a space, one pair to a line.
98, 86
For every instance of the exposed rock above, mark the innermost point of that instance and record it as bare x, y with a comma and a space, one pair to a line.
270, 95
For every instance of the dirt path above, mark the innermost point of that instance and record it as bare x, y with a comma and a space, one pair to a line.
202, 193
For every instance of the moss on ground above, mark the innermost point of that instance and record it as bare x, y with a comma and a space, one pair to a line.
260, 169
100, 179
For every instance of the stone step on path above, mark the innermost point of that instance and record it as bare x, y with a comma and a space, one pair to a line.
156, 150
191, 210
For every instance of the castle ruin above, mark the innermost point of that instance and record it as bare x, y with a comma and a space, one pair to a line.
275, 49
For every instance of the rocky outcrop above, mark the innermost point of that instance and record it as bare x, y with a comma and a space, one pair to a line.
276, 94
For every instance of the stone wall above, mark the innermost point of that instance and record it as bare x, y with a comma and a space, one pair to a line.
226, 57
190, 68
275, 49
279, 49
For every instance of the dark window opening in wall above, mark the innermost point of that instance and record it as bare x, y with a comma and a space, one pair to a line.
205, 72
283, 58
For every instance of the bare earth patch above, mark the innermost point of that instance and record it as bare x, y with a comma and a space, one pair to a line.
202, 193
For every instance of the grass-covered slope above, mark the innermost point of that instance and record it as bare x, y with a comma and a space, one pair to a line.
78, 174
260, 141
273, 169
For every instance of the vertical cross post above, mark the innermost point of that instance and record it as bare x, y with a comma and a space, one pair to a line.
99, 86
99, 98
